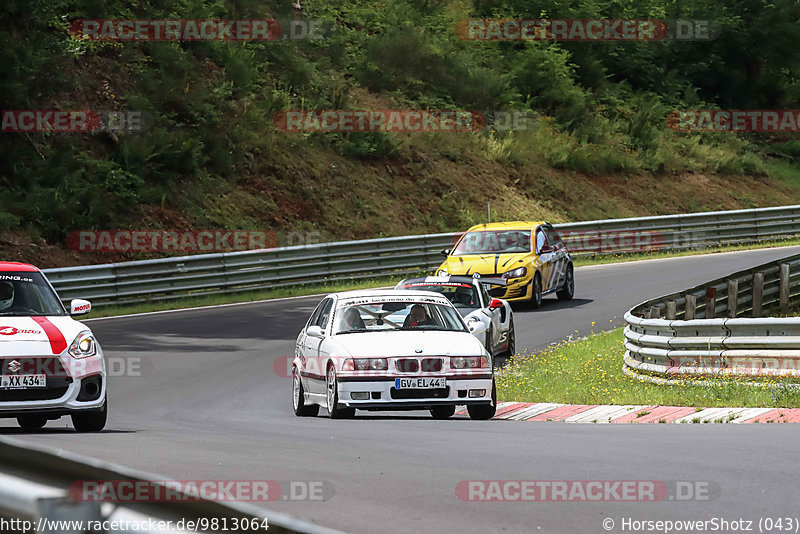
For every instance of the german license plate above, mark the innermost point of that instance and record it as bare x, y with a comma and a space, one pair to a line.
420, 383
23, 381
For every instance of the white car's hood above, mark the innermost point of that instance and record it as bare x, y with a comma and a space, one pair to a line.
37, 336
407, 343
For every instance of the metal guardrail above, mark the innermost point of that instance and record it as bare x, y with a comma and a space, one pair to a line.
208, 274
35, 482
720, 329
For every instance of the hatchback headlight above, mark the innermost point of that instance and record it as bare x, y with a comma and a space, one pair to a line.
519, 272
83, 346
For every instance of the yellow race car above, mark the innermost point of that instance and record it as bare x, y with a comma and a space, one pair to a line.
529, 255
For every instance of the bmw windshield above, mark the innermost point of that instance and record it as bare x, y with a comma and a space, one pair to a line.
23, 294
494, 242
396, 316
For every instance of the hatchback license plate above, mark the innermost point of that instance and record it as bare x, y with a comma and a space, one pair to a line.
23, 381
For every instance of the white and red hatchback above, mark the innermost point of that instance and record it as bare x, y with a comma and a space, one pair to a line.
50, 364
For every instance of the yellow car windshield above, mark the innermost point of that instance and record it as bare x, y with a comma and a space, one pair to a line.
494, 242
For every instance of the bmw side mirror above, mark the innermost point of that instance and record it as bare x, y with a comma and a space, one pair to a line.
79, 307
445, 252
315, 331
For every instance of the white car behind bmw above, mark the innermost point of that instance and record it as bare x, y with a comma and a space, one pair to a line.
390, 350
50, 364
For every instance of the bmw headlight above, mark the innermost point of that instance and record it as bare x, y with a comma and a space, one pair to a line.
519, 272
83, 346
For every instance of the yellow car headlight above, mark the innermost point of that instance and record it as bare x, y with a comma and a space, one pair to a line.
519, 272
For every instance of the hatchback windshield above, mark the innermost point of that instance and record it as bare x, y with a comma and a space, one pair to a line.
27, 293
396, 315
494, 242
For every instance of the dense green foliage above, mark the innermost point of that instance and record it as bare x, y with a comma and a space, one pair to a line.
213, 102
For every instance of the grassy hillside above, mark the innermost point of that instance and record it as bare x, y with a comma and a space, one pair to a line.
598, 146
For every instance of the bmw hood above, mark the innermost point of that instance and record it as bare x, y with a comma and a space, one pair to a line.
484, 264
408, 343
28, 335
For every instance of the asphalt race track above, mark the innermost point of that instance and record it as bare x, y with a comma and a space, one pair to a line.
210, 406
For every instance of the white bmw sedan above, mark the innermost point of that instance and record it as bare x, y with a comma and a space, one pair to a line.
390, 350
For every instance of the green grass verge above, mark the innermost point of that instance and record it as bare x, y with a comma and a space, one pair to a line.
590, 372
295, 291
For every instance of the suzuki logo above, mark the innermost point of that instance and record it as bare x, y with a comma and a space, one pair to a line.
14, 366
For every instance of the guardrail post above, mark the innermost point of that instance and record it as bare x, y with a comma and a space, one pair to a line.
733, 296
784, 288
758, 294
671, 310
691, 307
711, 302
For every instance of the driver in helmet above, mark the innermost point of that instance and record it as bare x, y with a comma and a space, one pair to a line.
6, 295
464, 296
352, 320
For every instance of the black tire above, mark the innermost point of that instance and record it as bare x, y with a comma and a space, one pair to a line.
512, 341
482, 412
536, 292
31, 422
568, 291
301, 409
334, 412
90, 421
443, 412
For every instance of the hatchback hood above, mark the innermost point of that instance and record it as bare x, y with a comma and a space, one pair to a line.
30, 332
484, 264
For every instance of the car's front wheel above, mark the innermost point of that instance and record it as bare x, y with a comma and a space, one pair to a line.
568, 291
90, 421
31, 422
334, 412
482, 412
536, 292
301, 409
512, 342
443, 412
